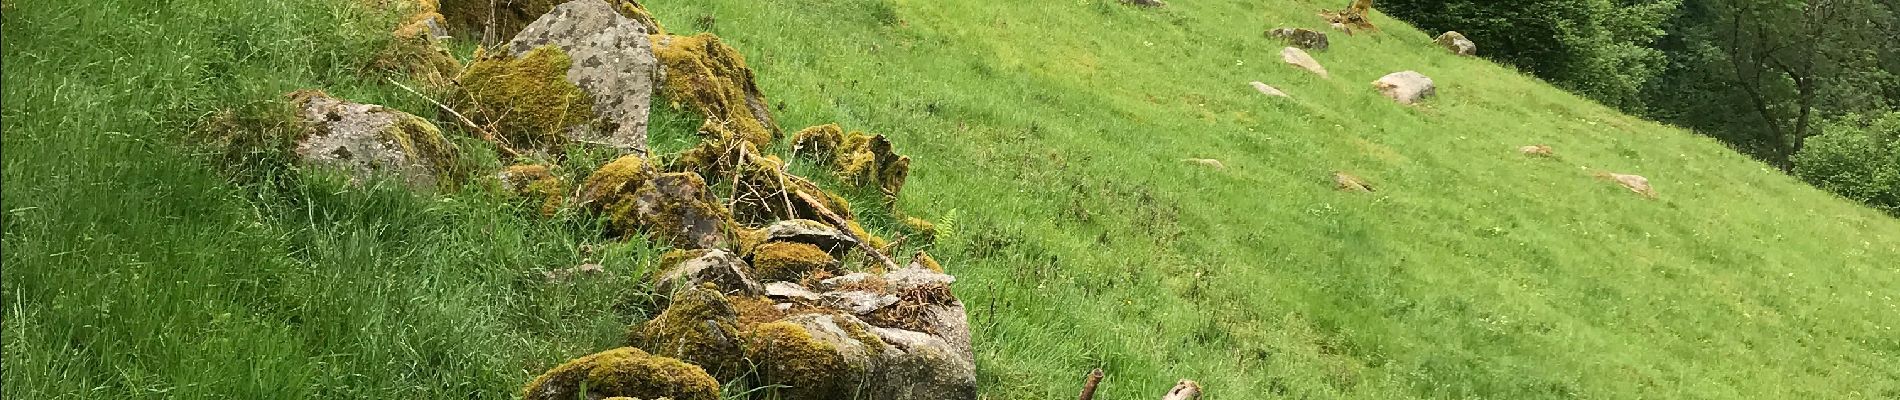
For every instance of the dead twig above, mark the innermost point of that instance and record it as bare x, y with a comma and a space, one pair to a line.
845, 226
487, 135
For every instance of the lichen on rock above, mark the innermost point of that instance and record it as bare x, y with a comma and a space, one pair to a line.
699, 326
705, 75
624, 371
363, 139
613, 63
526, 99
682, 269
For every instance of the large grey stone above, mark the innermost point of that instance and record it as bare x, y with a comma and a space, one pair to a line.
366, 139
1456, 43
612, 61
1408, 87
919, 366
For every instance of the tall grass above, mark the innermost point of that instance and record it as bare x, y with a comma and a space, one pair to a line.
1050, 133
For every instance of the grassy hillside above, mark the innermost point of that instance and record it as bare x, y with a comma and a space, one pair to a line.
1047, 136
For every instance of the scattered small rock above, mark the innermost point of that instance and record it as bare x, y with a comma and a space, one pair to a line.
365, 139
1301, 37
1537, 151
1635, 183
1348, 182
1408, 87
564, 274
1299, 58
1457, 43
1145, 3
1210, 163
1267, 90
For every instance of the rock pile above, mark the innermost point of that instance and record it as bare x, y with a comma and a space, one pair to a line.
774, 284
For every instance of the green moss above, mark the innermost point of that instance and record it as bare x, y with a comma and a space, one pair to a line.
699, 326
538, 185
624, 371
809, 369
678, 209
639, 14
527, 100
468, 18
857, 158
608, 186
705, 75
786, 261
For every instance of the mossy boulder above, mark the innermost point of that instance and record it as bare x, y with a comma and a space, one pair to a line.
791, 261
815, 356
675, 208
536, 185
415, 48
699, 326
706, 76
613, 63
367, 139
624, 371
860, 159
682, 269
526, 99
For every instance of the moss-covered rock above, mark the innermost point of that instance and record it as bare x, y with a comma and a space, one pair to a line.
627, 372
791, 261
526, 99
860, 159
815, 356
699, 326
364, 139
613, 62
682, 269
536, 185
675, 208
705, 75
638, 13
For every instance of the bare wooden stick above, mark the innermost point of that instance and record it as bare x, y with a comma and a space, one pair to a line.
1186, 390
845, 227
487, 135
1088, 386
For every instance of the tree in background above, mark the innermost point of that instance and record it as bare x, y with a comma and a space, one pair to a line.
1858, 158
1599, 48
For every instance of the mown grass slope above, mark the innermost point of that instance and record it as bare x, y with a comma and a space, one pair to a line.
1048, 139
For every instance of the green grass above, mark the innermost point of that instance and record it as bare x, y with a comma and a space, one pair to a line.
1048, 134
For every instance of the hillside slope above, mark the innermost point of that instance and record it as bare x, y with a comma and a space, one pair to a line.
1048, 140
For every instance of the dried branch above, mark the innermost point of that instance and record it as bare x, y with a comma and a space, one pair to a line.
487, 134
845, 227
